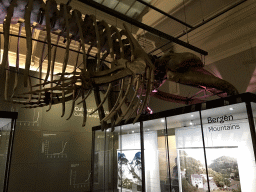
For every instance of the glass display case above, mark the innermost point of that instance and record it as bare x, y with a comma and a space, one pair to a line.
203, 147
7, 125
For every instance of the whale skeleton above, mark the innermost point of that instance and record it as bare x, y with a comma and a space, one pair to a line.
136, 75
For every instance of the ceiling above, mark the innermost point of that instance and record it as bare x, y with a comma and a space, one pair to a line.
130, 8
192, 12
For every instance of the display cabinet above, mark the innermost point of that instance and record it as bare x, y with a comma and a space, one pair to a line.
203, 147
7, 127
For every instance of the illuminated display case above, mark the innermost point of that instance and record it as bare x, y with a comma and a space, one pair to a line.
7, 125
204, 147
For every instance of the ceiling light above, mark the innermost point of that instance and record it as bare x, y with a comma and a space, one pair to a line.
162, 120
231, 108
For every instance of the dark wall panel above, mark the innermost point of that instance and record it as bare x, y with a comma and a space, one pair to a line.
50, 153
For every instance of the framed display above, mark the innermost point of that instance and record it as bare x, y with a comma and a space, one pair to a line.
129, 169
223, 172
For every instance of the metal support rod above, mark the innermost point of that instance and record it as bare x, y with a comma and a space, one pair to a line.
92, 161
205, 158
211, 18
168, 155
121, 151
104, 161
164, 13
143, 26
9, 155
142, 156
252, 126
202, 23
113, 162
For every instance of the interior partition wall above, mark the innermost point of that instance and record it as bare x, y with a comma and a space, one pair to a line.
202, 147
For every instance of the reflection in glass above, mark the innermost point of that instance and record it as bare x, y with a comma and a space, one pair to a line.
157, 171
117, 159
4, 143
98, 169
109, 156
186, 153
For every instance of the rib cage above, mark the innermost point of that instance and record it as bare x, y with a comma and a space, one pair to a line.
128, 60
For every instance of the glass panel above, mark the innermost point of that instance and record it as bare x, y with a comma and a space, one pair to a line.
110, 159
129, 168
5, 129
98, 177
186, 153
229, 151
117, 159
157, 170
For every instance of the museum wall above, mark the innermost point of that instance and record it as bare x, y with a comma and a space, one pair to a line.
238, 69
51, 153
